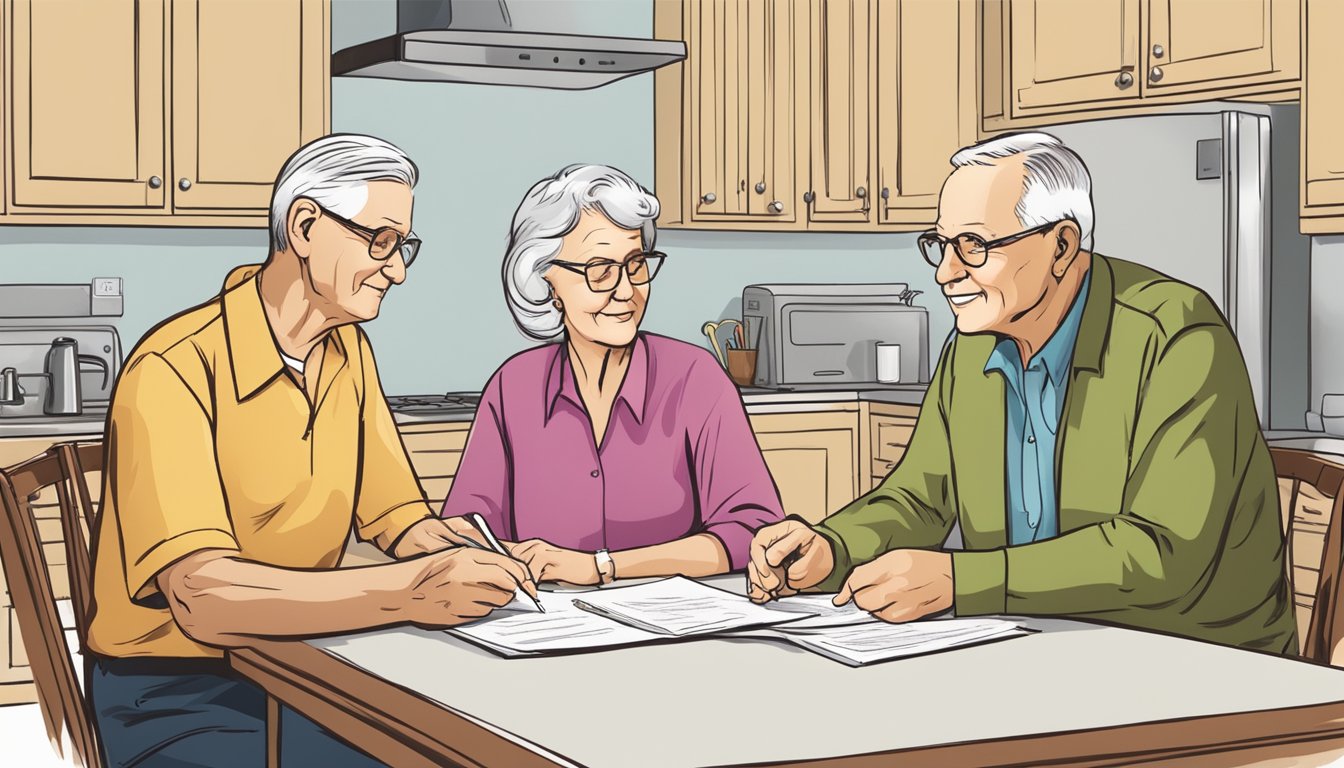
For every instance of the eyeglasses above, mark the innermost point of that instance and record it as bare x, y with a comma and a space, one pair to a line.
972, 249
605, 275
383, 241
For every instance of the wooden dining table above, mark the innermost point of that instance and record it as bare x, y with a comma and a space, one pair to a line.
1072, 693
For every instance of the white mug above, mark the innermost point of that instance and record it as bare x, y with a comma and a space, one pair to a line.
889, 363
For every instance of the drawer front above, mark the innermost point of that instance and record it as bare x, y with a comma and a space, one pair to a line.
890, 438
446, 440
435, 463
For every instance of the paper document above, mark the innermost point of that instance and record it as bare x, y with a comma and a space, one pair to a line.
820, 611
860, 644
680, 606
520, 630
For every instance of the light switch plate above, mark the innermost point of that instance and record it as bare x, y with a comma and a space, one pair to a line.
107, 286
1209, 159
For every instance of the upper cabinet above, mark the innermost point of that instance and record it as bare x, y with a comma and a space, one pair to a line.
1051, 60
159, 116
1322, 189
811, 114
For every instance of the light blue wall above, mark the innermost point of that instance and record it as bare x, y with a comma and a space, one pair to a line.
479, 148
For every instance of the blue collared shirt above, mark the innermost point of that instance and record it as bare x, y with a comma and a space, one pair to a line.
1034, 400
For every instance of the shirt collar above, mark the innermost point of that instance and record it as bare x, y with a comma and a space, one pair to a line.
560, 380
1057, 353
254, 355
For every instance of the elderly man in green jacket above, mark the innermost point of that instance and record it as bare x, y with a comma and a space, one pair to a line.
1090, 425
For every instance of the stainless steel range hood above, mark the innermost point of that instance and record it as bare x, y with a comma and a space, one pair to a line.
475, 41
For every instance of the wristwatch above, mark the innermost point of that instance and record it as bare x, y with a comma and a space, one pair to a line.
606, 567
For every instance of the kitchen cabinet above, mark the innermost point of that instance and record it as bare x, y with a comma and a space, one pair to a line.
1321, 193
161, 119
1045, 61
435, 450
889, 430
813, 457
855, 95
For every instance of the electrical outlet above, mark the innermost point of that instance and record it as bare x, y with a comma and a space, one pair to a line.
107, 286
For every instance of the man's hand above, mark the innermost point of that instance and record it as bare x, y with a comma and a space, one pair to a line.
461, 584
785, 558
551, 563
902, 585
436, 533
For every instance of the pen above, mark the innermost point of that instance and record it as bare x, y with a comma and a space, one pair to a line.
784, 564
483, 527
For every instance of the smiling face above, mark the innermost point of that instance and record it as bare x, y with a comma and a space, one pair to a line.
1015, 278
610, 318
348, 279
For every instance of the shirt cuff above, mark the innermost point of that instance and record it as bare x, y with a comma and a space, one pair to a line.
843, 561
141, 574
736, 541
394, 522
980, 582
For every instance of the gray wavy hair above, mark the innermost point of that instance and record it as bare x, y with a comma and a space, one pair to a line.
334, 171
548, 212
1056, 185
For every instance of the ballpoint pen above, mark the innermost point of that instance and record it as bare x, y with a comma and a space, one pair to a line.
483, 527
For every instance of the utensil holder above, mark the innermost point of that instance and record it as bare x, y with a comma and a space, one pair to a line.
742, 366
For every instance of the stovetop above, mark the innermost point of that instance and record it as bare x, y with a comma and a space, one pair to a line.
451, 402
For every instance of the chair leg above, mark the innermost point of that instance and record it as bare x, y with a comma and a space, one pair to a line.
272, 732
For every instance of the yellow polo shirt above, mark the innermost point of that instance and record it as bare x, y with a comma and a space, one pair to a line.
210, 445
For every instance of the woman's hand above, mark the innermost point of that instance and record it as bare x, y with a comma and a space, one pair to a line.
551, 563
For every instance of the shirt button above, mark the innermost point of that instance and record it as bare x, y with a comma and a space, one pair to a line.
595, 473
1031, 438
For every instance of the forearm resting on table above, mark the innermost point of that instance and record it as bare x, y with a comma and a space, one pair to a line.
218, 598
701, 554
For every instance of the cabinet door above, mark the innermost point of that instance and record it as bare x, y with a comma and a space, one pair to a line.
770, 87
88, 104
1068, 54
813, 459
925, 102
841, 97
1322, 116
1199, 45
240, 111
716, 53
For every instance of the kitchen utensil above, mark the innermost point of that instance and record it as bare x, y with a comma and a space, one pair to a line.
62, 369
10, 392
888, 363
742, 366
711, 330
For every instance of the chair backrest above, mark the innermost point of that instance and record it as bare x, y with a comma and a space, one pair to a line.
1311, 494
62, 470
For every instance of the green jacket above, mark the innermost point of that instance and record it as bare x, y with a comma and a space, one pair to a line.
1168, 502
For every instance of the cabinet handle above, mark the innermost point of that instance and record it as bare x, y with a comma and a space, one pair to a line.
808, 197
760, 187
1124, 80
886, 193
891, 466
1154, 74
155, 182
708, 198
1158, 51
861, 193
776, 207
184, 184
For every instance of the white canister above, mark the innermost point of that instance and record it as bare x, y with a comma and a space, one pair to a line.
889, 363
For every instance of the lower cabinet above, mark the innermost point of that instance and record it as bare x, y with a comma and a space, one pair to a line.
813, 458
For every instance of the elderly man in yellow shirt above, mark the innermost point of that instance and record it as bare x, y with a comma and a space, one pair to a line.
246, 437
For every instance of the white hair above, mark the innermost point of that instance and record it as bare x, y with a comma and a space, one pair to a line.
548, 212
1055, 184
334, 171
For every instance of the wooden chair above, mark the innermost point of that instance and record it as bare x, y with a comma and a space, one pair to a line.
1311, 495
61, 469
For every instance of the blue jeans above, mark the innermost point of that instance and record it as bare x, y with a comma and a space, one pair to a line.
154, 712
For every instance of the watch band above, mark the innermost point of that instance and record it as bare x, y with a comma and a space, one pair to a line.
606, 567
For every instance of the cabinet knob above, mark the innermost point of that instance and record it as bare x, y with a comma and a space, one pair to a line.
184, 184
708, 198
155, 182
808, 197
861, 193
760, 187
1154, 74
886, 193
777, 207
1124, 80
1158, 51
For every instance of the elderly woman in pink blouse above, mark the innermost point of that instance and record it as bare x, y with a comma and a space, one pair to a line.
607, 452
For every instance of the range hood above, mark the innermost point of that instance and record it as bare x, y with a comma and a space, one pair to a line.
475, 41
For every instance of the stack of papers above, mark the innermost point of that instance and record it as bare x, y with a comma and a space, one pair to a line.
681, 608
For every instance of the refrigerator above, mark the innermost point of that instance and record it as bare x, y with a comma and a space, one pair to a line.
1196, 197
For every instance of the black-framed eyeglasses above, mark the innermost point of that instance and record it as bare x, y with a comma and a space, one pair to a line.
383, 241
972, 249
604, 275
